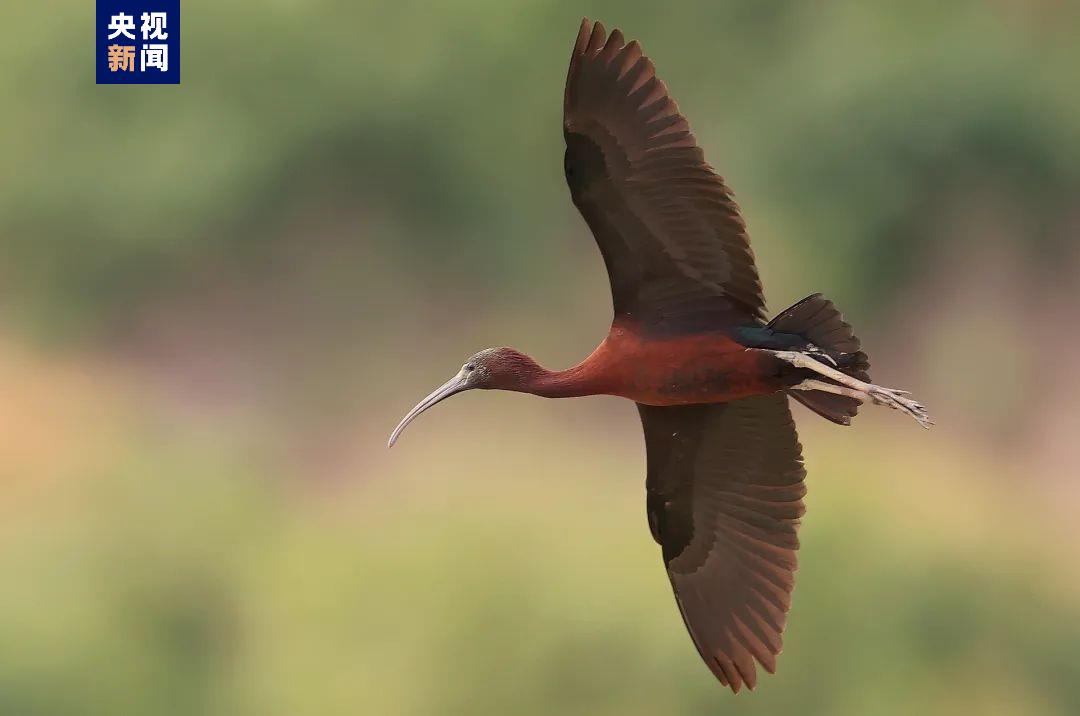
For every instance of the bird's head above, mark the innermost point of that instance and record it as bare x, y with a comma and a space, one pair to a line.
490, 369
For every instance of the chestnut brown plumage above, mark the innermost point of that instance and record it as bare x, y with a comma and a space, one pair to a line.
690, 345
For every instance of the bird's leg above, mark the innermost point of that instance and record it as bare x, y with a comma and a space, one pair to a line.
860, 390
811, 384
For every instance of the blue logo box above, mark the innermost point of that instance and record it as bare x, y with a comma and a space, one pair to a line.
138, 42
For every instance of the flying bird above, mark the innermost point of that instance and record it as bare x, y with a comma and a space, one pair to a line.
691, 345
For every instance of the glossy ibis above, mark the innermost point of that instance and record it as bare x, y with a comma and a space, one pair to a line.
690, 345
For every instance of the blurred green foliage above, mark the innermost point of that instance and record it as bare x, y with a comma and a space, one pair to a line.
188, 583
852, 126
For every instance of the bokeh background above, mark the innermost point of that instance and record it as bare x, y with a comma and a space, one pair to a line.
217, 299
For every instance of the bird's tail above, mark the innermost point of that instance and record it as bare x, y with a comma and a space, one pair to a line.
816, 319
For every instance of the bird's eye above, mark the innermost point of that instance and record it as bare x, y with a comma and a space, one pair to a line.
469, 366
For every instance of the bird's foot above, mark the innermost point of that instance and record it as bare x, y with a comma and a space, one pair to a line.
899, 400
852, 387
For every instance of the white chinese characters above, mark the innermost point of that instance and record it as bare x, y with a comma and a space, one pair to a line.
153, 26
122, 24
154, 56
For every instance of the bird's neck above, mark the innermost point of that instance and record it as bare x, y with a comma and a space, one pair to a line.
570, 383
585, 378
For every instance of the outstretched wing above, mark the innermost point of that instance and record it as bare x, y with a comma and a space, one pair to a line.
725, 488
675, 246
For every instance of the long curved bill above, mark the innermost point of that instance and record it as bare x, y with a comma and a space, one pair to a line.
455, 385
